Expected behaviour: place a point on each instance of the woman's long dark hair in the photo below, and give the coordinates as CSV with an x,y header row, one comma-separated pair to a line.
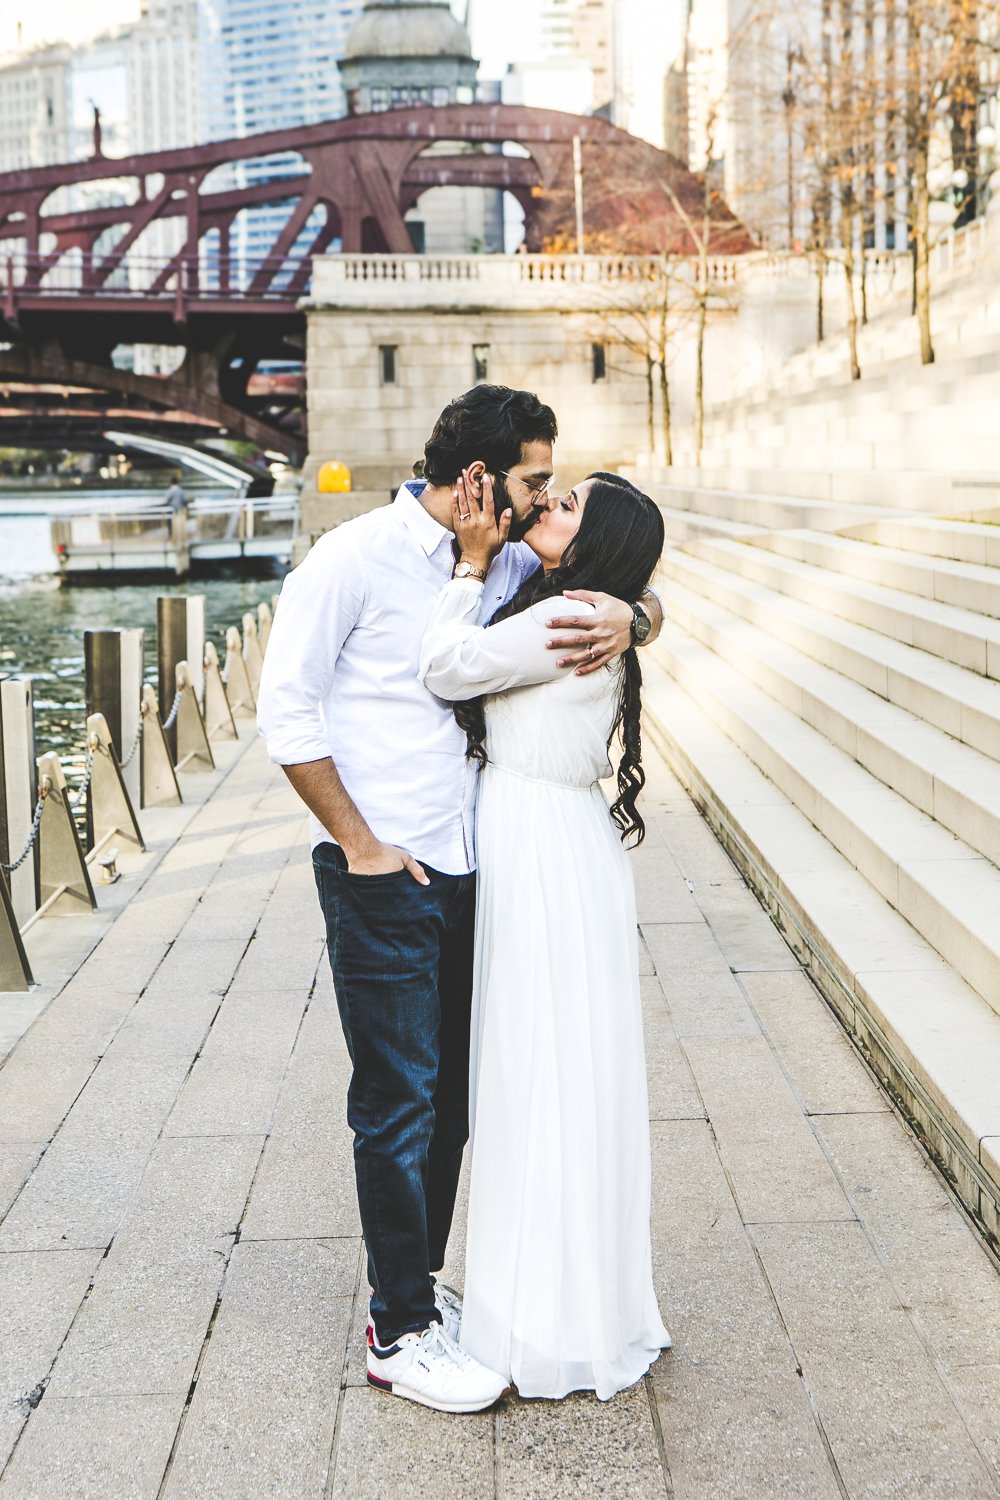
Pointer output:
x,y
614,552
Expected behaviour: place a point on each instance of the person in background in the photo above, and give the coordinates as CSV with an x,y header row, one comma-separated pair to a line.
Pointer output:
x,y
175,496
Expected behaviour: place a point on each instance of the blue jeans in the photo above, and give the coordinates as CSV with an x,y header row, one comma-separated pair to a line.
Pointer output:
x,y
401,956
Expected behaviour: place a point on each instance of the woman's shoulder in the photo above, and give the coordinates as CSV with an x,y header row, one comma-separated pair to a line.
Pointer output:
x,y
545,610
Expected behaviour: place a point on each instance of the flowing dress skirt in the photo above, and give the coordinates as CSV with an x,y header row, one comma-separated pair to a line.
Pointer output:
x,y
559,1288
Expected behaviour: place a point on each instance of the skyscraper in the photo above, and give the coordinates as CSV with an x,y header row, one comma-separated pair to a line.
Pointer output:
x,y
609,57
268,65
271,64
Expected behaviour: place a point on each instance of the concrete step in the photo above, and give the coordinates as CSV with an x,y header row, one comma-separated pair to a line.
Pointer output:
x,y
945,889
934,493
786,446
969,586
962,541
951,782
929,1036
909,385
761,512
822,372
962,704
686,525
956,635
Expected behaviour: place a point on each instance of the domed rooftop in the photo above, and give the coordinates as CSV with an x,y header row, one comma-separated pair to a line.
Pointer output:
x,y
407,28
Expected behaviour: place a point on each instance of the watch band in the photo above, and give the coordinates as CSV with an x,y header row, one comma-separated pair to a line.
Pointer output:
x,y
469,570
641,632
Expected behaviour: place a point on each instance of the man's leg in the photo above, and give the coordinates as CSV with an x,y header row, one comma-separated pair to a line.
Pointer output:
x,y
384,941
451,1096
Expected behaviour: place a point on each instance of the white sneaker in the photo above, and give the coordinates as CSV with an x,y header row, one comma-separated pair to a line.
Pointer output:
x,y
448,1303
432,1370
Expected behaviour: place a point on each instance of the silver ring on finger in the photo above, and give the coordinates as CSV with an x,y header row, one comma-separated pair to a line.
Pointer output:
x,y
591,650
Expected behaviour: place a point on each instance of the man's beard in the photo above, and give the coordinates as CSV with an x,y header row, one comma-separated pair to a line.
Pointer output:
x,y
519,525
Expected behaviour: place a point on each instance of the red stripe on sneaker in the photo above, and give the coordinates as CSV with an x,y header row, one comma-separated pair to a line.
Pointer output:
x,y
383,1385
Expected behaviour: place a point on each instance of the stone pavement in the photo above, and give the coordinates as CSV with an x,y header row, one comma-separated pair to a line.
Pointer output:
x,y
181,1290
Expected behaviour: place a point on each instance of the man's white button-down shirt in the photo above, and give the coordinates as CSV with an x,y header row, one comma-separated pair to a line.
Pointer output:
x,y
341,678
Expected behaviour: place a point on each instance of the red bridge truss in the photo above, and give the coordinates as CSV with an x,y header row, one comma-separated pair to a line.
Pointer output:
x,y
150,250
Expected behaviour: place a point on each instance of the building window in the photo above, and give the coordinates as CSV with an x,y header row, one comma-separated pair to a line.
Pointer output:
x,y
480,362
387,363
599,362
380,100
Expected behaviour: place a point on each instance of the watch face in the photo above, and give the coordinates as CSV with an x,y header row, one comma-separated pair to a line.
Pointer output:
x,y
642,625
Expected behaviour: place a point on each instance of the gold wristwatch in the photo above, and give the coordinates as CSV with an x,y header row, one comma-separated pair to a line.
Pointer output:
x,y
469,570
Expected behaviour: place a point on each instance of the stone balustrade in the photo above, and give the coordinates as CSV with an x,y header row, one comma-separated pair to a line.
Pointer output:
x,y
585,282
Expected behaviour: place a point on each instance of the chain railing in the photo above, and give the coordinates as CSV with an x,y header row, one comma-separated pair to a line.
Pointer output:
x,y
171,718
32,838
88,772
58,841
127,760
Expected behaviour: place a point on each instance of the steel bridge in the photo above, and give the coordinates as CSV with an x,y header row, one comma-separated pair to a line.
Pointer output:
x,y
106,252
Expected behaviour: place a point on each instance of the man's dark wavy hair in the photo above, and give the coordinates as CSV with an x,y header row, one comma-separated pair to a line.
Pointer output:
x,y
491,423
614,552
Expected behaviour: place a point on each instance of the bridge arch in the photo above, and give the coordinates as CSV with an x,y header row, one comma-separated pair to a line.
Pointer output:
x,y
166,271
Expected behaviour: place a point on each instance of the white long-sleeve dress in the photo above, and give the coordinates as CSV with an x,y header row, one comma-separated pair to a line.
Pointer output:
x,y
559,1288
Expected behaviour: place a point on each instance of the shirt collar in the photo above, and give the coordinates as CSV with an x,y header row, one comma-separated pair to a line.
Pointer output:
x,y
428,532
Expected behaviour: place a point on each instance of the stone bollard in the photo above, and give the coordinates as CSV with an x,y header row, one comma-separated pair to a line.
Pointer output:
x,y
219,719
63,875
19,777
180,636
110,812
113,662
194,753
252,654
159,779
242,699
263,626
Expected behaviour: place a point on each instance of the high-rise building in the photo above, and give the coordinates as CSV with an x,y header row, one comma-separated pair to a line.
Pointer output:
x,y
164,75
607,57
707,58
271,64
34,108
648,40
268,65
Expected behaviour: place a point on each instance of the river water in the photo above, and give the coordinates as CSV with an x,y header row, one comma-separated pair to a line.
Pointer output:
x,y
42,624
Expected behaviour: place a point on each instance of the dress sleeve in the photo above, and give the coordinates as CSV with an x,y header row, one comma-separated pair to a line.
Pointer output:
x,y
320,604
460,659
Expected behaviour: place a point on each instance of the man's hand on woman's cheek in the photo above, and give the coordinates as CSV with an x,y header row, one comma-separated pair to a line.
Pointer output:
x,y
596,639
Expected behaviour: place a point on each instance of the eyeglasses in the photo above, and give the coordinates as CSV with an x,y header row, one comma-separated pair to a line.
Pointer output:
x,y
540,491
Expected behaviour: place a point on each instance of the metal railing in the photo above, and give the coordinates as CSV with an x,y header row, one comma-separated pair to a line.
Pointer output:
x,y
269,278
204,520
53,835
286,279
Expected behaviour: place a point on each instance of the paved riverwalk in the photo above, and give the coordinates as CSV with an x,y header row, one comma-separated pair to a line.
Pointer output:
x,y
181,1291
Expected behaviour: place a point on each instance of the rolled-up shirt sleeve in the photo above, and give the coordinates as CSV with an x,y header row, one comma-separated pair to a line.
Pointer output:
x,y
320,604
460,659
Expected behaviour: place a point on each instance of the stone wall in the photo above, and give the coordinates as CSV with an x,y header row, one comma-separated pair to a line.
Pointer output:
x,y
538,318
378,430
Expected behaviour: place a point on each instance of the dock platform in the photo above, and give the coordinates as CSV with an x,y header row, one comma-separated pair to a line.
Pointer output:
x,y
182,1297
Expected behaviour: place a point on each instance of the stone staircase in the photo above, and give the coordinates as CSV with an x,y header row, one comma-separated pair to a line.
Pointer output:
x,y
906,436
828,688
